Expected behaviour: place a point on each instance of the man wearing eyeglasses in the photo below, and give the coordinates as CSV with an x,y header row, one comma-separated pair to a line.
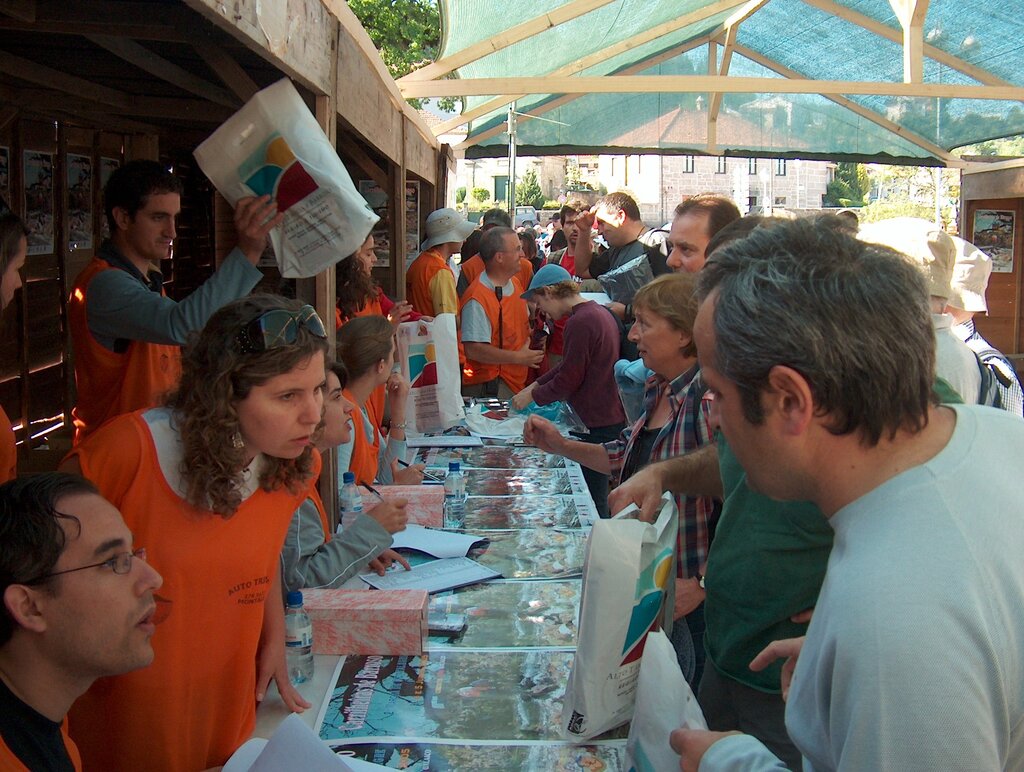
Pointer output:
x,y
126,333
78,605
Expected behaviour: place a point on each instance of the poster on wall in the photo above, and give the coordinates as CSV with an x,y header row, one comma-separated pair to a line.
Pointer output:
x,y
377,198
5,176
993,234
79,170
107,167
39,201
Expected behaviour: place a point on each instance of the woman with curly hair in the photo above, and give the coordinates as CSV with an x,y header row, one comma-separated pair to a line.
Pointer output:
x,y
360,295
367,348
13,250
208,483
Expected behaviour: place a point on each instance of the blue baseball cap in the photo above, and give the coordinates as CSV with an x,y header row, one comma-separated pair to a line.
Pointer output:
x,y
545,277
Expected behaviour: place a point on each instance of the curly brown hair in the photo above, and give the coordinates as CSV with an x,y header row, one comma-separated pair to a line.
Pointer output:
x,y
215,377
355,286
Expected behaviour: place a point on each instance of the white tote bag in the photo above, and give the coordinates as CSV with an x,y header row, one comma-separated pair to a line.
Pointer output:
x,y
274,146
429,356
628,590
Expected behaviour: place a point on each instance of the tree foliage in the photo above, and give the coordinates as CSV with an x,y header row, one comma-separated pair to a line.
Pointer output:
x,y
406,32
850,187
480,194
528,192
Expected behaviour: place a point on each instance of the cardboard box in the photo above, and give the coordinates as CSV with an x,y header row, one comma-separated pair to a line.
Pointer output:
x,y
367,621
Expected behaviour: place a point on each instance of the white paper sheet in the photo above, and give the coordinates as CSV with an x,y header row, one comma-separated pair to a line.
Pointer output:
x,y
438,575
440,544
597,297
444,441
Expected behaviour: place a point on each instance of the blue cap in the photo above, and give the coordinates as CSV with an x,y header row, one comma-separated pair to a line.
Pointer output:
x,y
454,466
348,477
294,598
547,275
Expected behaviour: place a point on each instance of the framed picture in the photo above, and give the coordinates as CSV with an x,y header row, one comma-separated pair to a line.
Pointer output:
x,y
993,234
79,169
5,175
39,201
377,198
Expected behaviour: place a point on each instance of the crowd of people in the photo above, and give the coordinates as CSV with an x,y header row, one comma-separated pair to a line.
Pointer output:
x,y
814,394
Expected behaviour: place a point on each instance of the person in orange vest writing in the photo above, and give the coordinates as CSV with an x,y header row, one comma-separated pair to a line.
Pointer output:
x,y
78,604
126,333
429,282
495,325
13,250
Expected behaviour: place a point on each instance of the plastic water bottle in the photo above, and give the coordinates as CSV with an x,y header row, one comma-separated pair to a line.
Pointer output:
x,y
351,500
298,640
454,497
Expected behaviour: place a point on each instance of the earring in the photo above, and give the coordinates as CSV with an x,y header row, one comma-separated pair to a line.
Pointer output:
x,y
236,441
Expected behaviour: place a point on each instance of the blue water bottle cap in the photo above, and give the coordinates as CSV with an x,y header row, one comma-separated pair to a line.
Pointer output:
x,y
453,466
348,477
294,598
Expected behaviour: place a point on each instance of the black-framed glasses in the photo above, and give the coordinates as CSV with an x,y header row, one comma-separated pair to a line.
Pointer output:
x,y
121,563
278,327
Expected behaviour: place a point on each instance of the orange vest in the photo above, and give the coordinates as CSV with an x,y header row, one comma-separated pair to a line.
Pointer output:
x,y
11,763
515,325
314,496
195,704
473,267
108,383
8,449
365,450
418,278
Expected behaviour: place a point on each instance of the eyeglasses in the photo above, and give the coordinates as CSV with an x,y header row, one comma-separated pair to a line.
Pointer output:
x,y
277,328
121,563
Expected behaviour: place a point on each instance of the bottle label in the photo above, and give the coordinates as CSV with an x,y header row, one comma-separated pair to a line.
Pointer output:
x,y
297,639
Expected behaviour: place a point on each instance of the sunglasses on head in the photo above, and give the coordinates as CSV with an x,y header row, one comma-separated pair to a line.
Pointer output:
x,y
277,328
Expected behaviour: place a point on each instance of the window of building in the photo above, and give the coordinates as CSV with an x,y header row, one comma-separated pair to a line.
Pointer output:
x,y
688,164
751,166
780,201
720,167
751,203
780,167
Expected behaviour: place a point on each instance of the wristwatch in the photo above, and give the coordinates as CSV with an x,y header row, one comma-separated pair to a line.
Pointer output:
x,y
700,581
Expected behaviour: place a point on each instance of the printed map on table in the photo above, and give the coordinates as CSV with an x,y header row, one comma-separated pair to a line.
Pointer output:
x,y
511,614
533,553
608,756
512,482
493,457
454,694
504,512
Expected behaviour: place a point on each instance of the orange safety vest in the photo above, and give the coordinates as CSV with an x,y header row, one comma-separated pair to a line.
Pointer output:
x,y
473,267
217,575
11,763
8,449
515,327
365,450
110,384
418,278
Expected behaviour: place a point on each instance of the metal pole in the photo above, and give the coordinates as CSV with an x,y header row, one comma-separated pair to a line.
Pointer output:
x,y
512,162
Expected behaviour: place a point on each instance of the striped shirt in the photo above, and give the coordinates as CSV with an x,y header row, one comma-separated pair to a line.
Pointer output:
x,y
688,428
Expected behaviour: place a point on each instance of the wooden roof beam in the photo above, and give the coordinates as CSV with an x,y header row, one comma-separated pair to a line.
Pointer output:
x,y
662,84
527,29
896,36
565,99
849,104
228,70
911,14
597,57
163,32
22,10
155,65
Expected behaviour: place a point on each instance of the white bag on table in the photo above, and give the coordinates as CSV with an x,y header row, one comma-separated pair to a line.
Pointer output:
x,y
628,590
429,356
274,146
664,702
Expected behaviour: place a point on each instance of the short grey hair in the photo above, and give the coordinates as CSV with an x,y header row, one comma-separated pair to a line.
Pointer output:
x,y
852,318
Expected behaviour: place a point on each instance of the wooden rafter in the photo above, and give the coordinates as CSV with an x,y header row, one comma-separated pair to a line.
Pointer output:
x,y
158,31
597,57
566,98
155,65
911,14
509,37
730,27
662,84
23,10
228,70
849,104
896,36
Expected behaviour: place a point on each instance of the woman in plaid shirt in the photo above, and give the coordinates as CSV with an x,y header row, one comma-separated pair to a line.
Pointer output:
x,y
676,420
